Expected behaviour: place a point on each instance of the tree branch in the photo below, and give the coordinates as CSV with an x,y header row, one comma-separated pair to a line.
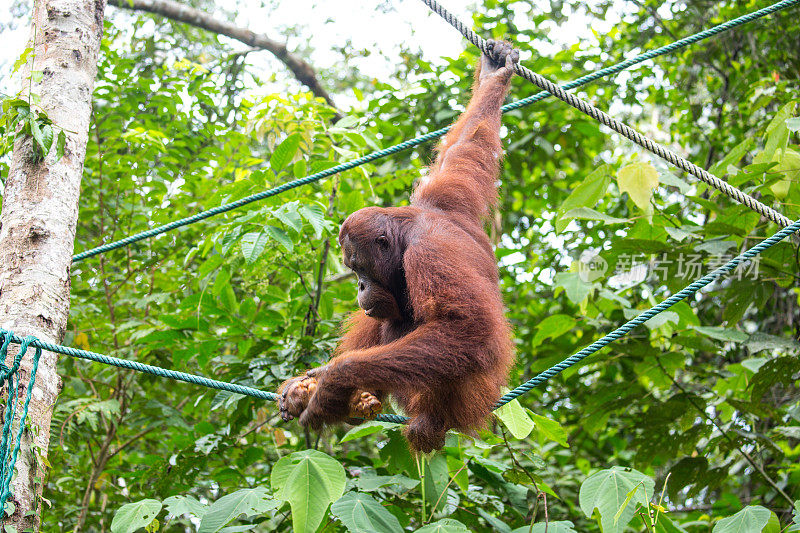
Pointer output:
x,y
182,13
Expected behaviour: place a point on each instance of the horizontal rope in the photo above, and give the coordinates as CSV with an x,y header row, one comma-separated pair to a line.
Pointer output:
x,y
620,127
520,390
621,331
146,369
619,67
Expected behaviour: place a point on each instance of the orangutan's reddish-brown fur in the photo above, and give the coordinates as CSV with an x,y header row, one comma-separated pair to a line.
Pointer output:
x,y
437,339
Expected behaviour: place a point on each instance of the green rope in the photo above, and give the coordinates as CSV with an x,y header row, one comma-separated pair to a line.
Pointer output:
x,y
778,6
522,389
9,378
623,129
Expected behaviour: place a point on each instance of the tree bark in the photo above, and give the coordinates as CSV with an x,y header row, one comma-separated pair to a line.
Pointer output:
x,y
182,13
38,218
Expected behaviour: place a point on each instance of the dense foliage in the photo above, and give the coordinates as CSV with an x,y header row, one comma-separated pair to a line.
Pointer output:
x,y
691,423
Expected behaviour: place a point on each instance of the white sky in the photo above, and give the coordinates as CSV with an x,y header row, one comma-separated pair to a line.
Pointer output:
x,y
328,25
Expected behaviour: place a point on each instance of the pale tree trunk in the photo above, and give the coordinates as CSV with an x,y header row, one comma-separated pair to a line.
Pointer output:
x,y
37,222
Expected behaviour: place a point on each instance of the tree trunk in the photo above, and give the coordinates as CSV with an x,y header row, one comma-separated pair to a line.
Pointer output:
x,y
38,218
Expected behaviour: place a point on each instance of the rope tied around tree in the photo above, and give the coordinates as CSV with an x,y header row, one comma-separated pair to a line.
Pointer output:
x,y
10,441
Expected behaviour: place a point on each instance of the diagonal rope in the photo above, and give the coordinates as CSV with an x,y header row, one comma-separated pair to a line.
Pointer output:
x,y
620,127
9,337
619,67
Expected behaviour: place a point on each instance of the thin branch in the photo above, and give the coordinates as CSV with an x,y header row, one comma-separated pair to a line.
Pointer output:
x,y
747,457
194,17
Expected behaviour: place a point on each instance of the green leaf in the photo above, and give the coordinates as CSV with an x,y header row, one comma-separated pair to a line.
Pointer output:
x,y
551,327
762,341
795,517
789,166
587,193
61,142
793,124
248,502
751,519
182,505
436,480
606,491
515,418
446,525
360,513
733,157
668,178
777,134
627,501
677,233
22,59
310,481
368,483
773,525
133,516
315,215
722,334
638,180
284,152
587,213
253,245
47,137
347,122
550,429
37,134
574,286
368,428
289,215
561,526
666,525
279,235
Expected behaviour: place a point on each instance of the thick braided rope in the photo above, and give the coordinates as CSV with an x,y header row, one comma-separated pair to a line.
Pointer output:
x,y
691,289
147,369
621,128
10,378
623,330
619,67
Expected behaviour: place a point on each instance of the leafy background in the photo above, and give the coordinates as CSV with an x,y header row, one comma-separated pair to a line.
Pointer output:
x,y
691,423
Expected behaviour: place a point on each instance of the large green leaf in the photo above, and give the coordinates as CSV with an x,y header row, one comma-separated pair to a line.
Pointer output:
x,y
134,516
284,152
638,180
253,245
722,334
550,429
586,194
248,502
360,513
182,505
552,327
573,285
310,481
515,418
368,428
607,491
751,519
